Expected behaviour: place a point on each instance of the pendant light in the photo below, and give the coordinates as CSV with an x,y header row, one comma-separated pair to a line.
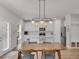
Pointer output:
x,y
42,21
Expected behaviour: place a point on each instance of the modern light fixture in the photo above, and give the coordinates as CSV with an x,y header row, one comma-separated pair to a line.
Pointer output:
x,y
33,21
42,21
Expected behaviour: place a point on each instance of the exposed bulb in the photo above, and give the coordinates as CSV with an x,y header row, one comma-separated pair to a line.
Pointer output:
x,y
36,24
45,24
50,22
41,22
33,22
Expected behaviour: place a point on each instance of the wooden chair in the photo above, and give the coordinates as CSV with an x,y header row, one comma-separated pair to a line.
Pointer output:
x,y
48,55
25,55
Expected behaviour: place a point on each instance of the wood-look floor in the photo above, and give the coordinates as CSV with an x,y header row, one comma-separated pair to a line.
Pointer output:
x,y
65,54
70,54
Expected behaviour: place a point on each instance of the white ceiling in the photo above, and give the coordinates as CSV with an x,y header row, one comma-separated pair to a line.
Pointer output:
x,y
29,8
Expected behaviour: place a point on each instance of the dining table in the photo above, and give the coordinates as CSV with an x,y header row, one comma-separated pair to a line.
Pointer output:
x,y
40,47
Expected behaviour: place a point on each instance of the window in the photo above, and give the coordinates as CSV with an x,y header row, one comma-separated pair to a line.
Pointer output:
x,y
4,35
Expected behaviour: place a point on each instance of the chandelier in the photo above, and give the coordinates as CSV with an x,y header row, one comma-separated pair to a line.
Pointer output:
x,y
42,21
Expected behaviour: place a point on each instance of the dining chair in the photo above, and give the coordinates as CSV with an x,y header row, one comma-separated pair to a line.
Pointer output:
x,y
48,55
27,56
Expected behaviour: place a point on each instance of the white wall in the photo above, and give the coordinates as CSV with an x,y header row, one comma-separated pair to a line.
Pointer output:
x,y
75,28
72,29
5,15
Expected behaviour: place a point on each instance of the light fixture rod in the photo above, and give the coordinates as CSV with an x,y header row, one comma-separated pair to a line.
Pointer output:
x,y
44,8
41,9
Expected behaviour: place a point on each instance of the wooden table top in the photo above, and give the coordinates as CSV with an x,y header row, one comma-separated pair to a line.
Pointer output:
x,y
39,47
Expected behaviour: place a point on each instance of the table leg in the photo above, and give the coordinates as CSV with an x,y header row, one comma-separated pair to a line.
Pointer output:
x,y
59,54
19,55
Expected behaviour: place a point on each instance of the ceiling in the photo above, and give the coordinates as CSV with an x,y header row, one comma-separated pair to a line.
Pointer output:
x,y
28,9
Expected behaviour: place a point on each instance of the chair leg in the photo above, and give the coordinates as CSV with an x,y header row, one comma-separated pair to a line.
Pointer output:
x,y
43,52
37,55
59,54
19,55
